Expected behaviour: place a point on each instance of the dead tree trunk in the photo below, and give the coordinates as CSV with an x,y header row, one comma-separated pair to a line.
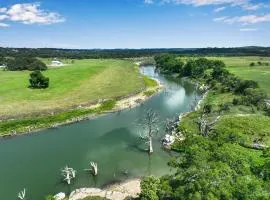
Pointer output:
x,y
68,174
204,125
21,194
150,127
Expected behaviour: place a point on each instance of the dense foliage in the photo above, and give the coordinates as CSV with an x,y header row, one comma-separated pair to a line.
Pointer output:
x,y
38,81
24,63
214,73
129,53
223,164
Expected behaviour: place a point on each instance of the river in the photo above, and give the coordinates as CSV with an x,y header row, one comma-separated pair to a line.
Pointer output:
x,y
34,161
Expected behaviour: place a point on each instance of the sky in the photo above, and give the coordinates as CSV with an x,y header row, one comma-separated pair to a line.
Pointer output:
x,y
108,24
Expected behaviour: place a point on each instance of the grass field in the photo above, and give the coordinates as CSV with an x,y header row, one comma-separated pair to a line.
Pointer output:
x,y
81,82
240,67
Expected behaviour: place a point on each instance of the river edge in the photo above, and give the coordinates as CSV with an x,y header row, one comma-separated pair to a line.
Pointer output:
x,y
127,102
117,191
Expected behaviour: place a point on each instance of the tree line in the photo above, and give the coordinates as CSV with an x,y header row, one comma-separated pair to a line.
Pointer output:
x,y
130,53
22,63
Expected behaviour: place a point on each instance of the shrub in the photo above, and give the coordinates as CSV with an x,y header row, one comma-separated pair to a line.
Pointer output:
x,y
224,107
252,64
236,101
254,96
37,80
245,85
149,188
49,197
207,109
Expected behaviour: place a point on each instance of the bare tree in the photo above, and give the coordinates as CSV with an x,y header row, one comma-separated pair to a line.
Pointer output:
x,y
204,125
68,174
21,194
93,168
150,126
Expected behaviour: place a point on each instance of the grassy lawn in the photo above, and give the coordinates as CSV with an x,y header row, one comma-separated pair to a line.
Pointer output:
x,y
240,67
81,82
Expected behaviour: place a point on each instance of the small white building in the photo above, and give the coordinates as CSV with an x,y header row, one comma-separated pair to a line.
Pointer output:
x,y
56,63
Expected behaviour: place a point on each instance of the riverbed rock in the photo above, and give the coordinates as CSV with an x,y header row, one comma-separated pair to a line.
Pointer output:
x,y
60,196
168,140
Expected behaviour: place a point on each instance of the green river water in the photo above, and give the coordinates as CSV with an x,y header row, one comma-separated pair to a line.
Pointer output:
x,y
34,161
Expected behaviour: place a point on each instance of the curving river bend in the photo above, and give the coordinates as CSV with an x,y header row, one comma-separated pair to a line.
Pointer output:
x,y
34,161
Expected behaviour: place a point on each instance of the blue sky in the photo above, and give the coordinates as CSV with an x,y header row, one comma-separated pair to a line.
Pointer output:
x,y
134,23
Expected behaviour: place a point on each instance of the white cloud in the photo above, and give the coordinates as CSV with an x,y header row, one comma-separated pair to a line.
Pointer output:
x,y
218,19
2,17
4,25
245,4
148,1
248,29
30,13
219,9
206,2
246,19
253,6
3,10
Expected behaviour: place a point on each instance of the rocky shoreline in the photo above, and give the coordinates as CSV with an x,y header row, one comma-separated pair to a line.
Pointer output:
x,y
120,191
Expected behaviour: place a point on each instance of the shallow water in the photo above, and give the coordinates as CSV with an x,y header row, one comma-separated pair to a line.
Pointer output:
x,y
34,161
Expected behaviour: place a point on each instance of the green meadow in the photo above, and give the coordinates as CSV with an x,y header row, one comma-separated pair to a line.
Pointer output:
x,y
78,82
240,66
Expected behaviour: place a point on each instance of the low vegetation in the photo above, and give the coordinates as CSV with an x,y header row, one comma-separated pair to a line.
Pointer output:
x,y
232,160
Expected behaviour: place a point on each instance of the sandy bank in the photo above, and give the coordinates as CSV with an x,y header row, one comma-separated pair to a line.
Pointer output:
x,y
120,191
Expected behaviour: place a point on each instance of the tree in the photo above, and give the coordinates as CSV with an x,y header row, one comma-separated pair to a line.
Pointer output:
x,y
37,65
149,188
252,64
204,125
207,108
243,85
22,194
37,80
150,125
25,63
68,174
219,72
93,168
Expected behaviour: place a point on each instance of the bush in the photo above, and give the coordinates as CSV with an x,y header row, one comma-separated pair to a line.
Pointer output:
x,y
37,80
149,188
207,109
252,64
224,107
254,96
236,101
49,197
245,85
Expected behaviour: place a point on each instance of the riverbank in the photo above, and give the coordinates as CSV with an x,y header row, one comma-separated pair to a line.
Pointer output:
x,y
11,128
118,191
